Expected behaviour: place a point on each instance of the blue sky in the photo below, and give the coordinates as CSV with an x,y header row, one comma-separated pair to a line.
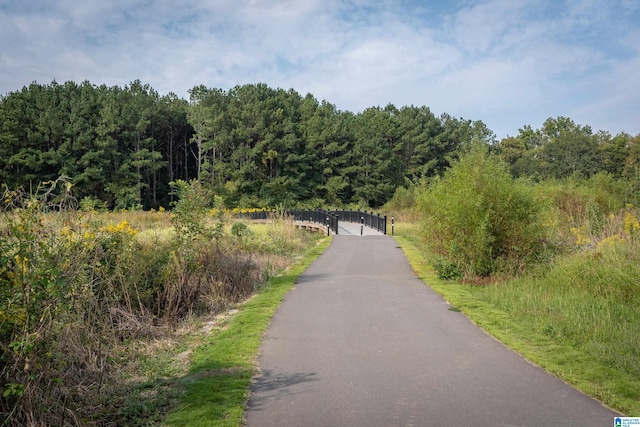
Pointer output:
x,y
508,63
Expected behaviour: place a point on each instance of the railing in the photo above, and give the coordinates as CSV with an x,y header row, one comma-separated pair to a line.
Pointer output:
x,y
318,216
329,218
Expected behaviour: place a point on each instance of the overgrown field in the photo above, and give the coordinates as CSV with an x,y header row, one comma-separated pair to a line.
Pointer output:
x,y
550,268
95,306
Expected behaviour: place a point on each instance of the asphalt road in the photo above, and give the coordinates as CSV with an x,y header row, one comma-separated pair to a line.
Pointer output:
x,y
361,341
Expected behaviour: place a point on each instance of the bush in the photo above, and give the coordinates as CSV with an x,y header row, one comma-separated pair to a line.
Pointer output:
x,y
445,269
240,230
479,219
404,199
189,214
89,204
403,203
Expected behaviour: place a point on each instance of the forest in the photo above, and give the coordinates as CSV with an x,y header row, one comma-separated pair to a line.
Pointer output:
x,y
256,146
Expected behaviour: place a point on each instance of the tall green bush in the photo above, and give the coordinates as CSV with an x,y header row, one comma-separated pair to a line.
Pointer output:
x,y
190,212
479,220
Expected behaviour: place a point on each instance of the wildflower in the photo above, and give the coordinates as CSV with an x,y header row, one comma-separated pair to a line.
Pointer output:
x,y
611,241
631,224
580,235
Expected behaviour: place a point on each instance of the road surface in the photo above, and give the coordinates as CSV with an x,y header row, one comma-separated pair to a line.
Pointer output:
x,y
361,341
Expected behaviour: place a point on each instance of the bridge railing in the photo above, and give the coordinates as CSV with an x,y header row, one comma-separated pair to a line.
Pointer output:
x,y
330,218
319,216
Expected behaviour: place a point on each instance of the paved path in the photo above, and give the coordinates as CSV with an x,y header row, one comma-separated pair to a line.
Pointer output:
x,y
361,341
353,229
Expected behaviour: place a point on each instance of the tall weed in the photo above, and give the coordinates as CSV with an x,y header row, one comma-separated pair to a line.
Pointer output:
x,y
585,202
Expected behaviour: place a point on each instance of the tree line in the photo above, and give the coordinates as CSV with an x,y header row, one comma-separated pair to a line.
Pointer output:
x,y
121,147
561,148
255,145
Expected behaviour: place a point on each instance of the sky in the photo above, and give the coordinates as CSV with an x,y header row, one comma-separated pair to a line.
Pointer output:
x,y
509,63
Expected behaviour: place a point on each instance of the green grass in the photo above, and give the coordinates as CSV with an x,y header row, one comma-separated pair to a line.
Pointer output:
x,y
561,320
217,385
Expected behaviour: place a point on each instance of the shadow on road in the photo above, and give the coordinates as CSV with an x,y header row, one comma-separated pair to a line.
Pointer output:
x,y
269,386
313,277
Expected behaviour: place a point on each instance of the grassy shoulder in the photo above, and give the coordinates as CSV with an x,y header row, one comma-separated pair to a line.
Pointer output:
x,y
217,384
510,312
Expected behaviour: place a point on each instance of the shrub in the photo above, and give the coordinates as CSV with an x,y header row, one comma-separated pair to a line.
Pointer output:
x,y
403,203
445,269
240,230
403,199
190,213
89,204
481,220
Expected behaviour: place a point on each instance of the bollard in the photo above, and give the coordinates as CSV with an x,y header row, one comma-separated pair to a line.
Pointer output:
x,y
361,225
328,229
392,226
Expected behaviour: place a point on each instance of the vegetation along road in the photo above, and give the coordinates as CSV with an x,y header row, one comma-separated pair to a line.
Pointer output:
x,y
362,341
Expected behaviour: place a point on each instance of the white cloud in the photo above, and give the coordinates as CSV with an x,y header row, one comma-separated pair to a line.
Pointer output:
x,y
508,63
479,28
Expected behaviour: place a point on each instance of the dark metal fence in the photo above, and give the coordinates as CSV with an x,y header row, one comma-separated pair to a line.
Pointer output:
x,y
329,218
